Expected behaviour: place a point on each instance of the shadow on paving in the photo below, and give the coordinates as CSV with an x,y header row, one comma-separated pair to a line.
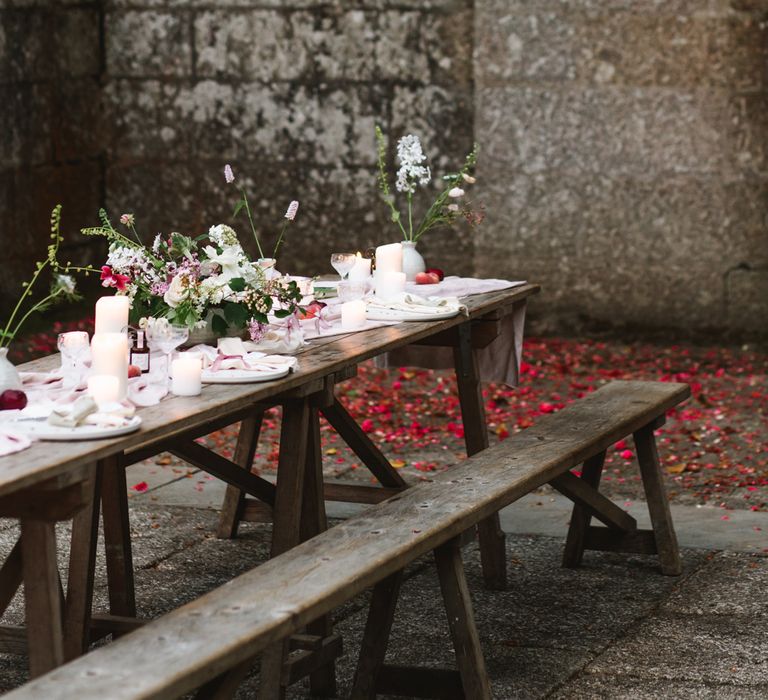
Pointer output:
x,y
615,628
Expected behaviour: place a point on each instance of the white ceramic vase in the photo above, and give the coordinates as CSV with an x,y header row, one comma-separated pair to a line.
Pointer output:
x,y
9,377
413,263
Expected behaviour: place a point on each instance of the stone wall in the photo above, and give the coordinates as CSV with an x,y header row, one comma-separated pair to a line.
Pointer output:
x,y
49,95
625,158
288,93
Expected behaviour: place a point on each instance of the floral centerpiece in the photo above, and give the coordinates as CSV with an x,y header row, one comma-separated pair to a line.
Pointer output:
x,y
448,207
203,282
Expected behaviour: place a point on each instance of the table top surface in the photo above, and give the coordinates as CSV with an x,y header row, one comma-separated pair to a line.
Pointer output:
x,y
321,358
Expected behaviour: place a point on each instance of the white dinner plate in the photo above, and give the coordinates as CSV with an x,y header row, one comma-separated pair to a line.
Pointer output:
x,y
42,430
244,376
379,314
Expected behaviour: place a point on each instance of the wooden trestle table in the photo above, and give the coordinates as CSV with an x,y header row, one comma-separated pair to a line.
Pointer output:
x,y
52,482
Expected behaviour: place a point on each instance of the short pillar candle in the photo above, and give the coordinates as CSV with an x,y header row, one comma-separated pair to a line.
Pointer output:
x,y
186,373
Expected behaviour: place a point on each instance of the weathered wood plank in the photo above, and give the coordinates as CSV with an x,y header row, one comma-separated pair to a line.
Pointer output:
x,y
234,498
573,551
356,493
658,505
361,445
45,640
461,620
603,539
373,649
229,625
600,507
11,576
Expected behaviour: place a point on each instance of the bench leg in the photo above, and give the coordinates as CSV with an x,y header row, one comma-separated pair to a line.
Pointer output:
x,y
377,628
658,505
493,555
461,621
580,517
234,499
117,538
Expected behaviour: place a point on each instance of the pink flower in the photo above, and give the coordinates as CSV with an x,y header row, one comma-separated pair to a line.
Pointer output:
x,y
229,176
127,219
293,207
112,279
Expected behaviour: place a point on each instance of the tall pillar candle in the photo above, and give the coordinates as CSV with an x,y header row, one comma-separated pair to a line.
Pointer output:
x,y
109,356
389,258
112,314
361,270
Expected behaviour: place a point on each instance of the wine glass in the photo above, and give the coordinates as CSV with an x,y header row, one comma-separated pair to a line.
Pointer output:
x,y
166,337
74,348
343,263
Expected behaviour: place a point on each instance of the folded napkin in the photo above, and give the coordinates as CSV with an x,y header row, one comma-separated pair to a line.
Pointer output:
x,y
12,441
412,303
461,286
234,353
85,411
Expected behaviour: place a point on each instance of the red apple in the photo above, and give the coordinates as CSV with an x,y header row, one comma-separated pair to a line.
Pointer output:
x,y
437,271
12,399
426,278
133,371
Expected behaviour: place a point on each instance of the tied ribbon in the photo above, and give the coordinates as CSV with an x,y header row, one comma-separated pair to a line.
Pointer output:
x,y
220,358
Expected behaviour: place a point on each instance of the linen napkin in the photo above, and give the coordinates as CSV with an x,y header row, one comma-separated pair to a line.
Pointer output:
x,y
413,303
12,441
85,411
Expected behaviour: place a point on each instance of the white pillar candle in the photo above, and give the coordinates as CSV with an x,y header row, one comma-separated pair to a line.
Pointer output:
x,y
112,314
186,372
389,258
353,314
109,355
361,270
104,388
389,285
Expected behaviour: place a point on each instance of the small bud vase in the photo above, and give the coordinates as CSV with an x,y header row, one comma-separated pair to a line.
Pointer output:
x,y
413,263
9,376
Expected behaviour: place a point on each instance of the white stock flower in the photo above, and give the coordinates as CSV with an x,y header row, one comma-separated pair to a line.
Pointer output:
x,y
456,192
293,207
411,172
229,176
177,291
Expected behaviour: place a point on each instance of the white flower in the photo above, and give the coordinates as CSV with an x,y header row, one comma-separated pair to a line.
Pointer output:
x,y
293,207
410,155
456,192
453,207
223,235
469,179
177,291
212,290
156,244
229,176
230,259
65,283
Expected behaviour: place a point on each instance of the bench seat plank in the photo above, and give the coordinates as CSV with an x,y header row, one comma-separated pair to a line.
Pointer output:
x,y
187,647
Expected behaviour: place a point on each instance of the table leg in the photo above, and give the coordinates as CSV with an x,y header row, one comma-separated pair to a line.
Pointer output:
x,y
314,521
286,531
117,538
581,517
82,564
492,541
234,500
41,592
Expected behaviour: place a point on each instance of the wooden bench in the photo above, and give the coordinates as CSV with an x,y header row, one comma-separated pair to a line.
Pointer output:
x,y
211,643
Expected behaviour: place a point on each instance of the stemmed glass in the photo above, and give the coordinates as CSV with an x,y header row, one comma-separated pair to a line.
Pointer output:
x,y
166,337
343,263
74,349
